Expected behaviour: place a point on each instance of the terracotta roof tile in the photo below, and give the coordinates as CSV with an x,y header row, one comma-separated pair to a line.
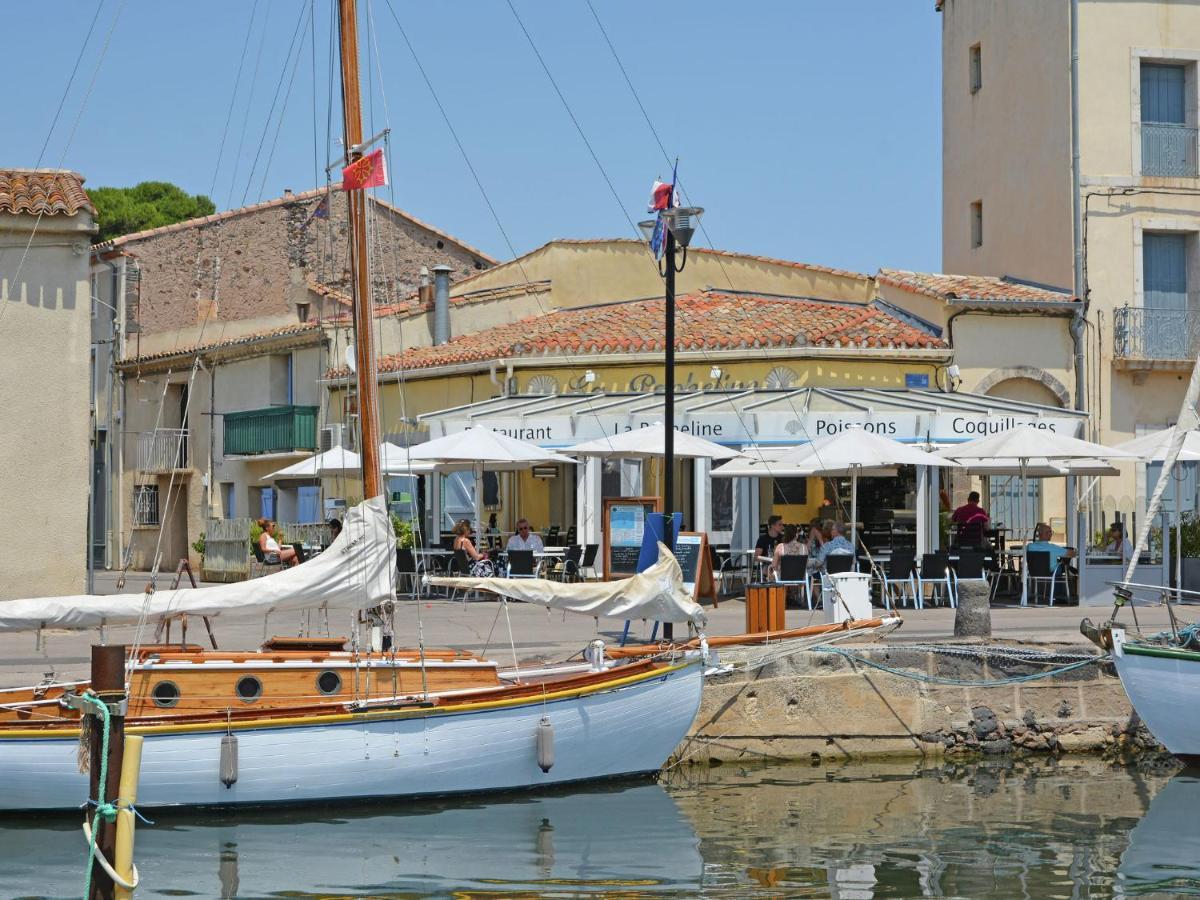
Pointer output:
x,y
706,320
971,287
48,192
217,343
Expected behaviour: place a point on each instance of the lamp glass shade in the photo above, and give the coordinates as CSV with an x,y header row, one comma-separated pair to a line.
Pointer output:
x,y
682,221
647,227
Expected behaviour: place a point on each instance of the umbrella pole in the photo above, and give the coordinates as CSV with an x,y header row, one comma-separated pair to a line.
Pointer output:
x,y
1023,487
854,515
479,500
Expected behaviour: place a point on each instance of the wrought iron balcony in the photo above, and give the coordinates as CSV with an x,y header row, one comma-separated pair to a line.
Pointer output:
x,y
278,429
162,450
1169,150
1164,335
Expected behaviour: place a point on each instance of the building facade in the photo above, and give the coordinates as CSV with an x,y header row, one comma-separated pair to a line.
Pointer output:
x,y
1008,189
46,226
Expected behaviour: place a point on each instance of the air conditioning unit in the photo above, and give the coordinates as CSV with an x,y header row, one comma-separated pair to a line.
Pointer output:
x,y
545,471
335,507
332,436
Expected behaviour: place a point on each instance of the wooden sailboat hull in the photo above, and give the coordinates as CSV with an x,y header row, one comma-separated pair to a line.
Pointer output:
x,y
621,726
1163,684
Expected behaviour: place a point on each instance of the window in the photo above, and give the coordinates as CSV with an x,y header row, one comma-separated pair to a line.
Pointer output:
x,y
976,68
145,504
1167,314
722,504
788,491
977,223
1168,138
227,499
308,504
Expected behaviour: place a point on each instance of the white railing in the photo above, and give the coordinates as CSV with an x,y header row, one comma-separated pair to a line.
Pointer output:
x,y
162,450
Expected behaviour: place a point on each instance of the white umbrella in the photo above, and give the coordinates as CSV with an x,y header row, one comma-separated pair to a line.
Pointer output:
x,y
1025,442
479,447
781,462
338,461
855,450
1153,447
396,460
1040,467
651,441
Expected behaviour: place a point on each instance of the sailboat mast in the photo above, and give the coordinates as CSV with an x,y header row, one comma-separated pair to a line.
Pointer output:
x,y
364,344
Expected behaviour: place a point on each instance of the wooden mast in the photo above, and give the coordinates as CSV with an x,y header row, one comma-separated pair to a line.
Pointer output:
x,y
364,344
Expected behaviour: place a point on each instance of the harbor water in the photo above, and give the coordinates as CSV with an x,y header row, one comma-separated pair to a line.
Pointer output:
x,y
1004,829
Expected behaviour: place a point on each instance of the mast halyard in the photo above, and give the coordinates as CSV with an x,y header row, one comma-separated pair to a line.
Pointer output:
x,y
364,343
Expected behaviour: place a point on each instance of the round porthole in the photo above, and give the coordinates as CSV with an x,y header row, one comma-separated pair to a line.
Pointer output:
x,y
329,682
249,688
165,694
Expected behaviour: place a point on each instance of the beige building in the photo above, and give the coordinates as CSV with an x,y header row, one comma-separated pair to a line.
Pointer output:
x,y
1008,189
46,226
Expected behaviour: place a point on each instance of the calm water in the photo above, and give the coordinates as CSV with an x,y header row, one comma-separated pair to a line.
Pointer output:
x,y
871,830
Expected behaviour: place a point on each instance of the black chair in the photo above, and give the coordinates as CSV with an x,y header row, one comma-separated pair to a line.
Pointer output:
x,y
971,566
837,563
1041,572
552,536
588,563
934,573
570,539
520,564
301,556
407,569
260,561
898,573
568,569
793,571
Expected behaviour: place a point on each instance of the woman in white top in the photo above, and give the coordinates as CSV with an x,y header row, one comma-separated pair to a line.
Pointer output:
x,y
791,545
1116,542
272,551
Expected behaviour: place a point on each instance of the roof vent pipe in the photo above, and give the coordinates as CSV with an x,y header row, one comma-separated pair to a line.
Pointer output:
x,y
425,289
441,304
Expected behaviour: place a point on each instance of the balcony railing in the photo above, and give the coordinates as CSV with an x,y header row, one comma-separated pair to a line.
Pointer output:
x,y
162,450
1156,334
1169,150
274,430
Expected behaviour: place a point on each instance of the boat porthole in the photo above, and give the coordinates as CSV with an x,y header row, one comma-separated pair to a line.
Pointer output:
x,y
249,689
165,694
329,682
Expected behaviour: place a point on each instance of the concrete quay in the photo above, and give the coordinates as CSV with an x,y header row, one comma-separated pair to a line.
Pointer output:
x,y
806,705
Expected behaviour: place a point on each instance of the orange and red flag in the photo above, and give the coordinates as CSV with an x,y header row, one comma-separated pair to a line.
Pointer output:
x,y
368,172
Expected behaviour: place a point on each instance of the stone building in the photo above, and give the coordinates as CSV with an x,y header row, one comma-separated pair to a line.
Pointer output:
x,y
46,225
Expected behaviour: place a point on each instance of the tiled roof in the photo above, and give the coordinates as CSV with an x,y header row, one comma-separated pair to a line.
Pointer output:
x,y
48,192
329,293
707,320
302,197
219,343
971,287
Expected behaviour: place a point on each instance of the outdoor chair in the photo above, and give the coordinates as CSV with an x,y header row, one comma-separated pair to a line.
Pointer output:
x,y
521,564
570,539
1040,572
793,571
407,570
900,572
588,563
837,563
971,567
259,565
568,568
934,573
552,536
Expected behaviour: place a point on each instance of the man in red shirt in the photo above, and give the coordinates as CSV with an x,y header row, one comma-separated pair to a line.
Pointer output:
x,y
971,520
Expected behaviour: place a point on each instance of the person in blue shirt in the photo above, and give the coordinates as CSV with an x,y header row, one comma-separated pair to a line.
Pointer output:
x,y
1041,543
835,544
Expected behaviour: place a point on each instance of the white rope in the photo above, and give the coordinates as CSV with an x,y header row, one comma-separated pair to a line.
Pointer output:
x,y
112,873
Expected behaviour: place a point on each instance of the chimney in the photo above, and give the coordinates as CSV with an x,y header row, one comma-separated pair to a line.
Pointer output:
x,y
287,192
441,304
425,289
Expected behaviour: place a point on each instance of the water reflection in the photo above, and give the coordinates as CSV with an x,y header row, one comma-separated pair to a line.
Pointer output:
x,y
1003,830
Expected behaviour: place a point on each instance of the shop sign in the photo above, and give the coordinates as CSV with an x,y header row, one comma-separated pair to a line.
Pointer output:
x,y
958,426
783,427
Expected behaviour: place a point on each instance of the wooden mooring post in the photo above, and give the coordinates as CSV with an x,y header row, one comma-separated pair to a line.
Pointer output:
x,y
108,682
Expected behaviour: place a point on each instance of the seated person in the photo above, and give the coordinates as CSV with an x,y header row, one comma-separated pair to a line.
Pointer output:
x,y
1059,556
791,545
525,538
835,544
273,553
764,548
816,536
335,529
1116,543
971,520
463,542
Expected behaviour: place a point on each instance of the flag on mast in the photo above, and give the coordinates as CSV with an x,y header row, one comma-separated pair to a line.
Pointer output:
x,y
320,211
367,172
662,198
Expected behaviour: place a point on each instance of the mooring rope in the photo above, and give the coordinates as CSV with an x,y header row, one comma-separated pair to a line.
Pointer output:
x,y
959,682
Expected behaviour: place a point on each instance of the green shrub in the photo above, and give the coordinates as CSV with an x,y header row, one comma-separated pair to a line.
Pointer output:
x,y
404,532
198,544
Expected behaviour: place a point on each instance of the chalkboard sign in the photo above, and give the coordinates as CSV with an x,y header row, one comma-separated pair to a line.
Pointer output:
x,y
691,551
623,524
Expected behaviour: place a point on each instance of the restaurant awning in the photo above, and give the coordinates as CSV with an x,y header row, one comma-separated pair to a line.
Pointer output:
x,y
760,416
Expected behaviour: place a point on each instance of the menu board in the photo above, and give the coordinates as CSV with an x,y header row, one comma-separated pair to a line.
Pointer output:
x,y
691,551
624,526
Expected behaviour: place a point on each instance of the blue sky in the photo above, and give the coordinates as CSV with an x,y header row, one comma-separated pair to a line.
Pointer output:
x,y
810,130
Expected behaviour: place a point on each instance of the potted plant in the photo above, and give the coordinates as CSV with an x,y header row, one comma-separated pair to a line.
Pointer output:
x,y
403,529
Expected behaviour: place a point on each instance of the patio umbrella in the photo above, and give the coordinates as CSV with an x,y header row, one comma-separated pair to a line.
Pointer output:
x,y
854,450
1153,447
641,443
478,448
338,461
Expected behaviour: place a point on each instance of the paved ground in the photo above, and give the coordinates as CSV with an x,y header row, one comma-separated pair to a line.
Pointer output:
x,y
537,633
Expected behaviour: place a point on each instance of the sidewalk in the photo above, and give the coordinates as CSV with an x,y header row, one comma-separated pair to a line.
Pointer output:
x,y
537,633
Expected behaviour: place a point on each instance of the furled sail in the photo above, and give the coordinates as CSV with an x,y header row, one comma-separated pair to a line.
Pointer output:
x,y
356,572
657,593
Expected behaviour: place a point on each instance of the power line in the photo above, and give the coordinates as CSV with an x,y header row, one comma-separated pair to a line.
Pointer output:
x,y
237,83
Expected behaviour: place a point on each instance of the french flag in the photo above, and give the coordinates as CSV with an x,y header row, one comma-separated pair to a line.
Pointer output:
x,y
660,196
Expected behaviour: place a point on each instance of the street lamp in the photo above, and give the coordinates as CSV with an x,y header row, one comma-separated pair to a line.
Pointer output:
x,y
680,225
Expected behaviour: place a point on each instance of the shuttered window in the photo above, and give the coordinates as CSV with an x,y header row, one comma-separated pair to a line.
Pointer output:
x,y
1169,145
1163,92
1164,271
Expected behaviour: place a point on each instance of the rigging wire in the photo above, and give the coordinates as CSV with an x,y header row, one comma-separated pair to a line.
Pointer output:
x,y
283,109
258,56
237,83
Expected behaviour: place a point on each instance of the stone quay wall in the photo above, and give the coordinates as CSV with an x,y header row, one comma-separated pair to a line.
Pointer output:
x,y
824,706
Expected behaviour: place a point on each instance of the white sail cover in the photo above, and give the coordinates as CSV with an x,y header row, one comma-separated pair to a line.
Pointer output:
x,y
657,593
356,572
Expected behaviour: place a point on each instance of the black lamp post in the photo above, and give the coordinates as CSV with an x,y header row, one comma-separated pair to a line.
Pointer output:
x,y
680,222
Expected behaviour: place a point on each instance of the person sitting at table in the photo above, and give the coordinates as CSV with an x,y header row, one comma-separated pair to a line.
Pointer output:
x,y
525,538
463,542
335,529
764,548
791,545
274,554
835,544
816,536
971,520
1117,544
1059,555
